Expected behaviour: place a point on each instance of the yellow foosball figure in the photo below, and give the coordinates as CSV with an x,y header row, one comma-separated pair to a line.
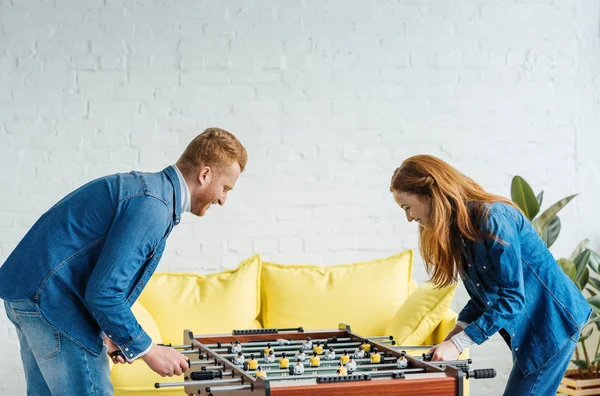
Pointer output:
x,y
375,356
268,349
366,346
260,373
284,362
252,363
344,358
341,370
318,348
314,360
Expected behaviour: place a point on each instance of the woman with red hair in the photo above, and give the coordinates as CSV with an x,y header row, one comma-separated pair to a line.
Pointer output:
x,y
515,285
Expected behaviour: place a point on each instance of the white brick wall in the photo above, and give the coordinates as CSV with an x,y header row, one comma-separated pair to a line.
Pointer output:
x,y
328,97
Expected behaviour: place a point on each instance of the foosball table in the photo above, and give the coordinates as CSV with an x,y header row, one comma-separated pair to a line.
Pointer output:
x,y
295,362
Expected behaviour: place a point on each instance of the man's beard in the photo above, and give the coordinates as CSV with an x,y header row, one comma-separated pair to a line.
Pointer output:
x,y
202,203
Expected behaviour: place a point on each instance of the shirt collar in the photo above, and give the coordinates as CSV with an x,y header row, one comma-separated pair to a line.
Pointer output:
x,y
185,191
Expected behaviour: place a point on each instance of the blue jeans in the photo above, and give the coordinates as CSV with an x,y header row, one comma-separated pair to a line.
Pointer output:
x,y
55,365
546,379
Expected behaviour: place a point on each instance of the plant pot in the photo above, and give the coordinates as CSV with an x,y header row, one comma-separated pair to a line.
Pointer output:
x,y
571,386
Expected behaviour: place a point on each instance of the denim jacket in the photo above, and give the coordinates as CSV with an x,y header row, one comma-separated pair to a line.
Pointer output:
x,y
88,258
517,288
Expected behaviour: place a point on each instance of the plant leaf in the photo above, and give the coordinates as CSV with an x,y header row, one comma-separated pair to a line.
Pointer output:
x,y
582,260
594,283
581,364
591,291
594,302
587,335
522,194
594,261
545,218
551,232
579,248
569,268
540,198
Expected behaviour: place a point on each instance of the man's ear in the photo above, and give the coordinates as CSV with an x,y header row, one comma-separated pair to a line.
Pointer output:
x,y
204,175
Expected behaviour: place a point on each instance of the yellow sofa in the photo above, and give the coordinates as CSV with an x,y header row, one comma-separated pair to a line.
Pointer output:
x,y
378,297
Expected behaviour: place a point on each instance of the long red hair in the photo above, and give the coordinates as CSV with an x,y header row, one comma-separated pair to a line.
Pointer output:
x,y
457,207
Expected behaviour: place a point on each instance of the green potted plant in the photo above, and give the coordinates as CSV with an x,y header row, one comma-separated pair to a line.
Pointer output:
x,y
577,267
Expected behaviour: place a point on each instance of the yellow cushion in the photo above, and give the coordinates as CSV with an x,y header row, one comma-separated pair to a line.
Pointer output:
x,y
217,303
363,295
420,314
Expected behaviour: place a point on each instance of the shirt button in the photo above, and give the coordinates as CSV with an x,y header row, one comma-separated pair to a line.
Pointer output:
x,y
488,303
109,336
478,285
484,267
131,355
126,349
469,265
516,349
513,334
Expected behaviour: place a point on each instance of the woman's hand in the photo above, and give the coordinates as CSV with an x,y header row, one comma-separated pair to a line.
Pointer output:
x,y
444,351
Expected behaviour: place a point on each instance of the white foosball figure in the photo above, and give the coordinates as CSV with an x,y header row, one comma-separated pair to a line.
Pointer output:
x,y
300,355
237,347
351,365
270,358
402,362
359,353
239,359
330,354
283,341
298,368
307,345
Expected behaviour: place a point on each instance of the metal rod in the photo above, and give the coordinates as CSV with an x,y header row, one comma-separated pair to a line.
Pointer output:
x,y
194,383
215,389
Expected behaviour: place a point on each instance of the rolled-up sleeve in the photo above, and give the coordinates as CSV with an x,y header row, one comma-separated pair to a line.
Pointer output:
x,y
139,225
506,269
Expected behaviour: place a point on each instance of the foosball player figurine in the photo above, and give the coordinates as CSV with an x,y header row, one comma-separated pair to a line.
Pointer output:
x,y
314,360
298,367
300,355
307,345
342,369
268,349
375,356
344,358
359,353
252,363
318,348
270,357
260,373
351,365
284,362
237,347
239,359
402,362
366,346
330,354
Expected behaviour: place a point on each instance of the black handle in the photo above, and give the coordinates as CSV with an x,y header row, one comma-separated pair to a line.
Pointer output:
x,y
482,373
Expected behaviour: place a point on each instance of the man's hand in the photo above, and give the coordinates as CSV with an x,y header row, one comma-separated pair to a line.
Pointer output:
x,y
165,361
444,351
457,329
112,347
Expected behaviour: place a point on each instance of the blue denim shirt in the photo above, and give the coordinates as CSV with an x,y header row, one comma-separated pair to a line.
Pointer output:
x,y
88,258
517,287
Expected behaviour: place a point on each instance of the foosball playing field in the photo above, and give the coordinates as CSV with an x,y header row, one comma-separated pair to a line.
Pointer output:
x,y
297,362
